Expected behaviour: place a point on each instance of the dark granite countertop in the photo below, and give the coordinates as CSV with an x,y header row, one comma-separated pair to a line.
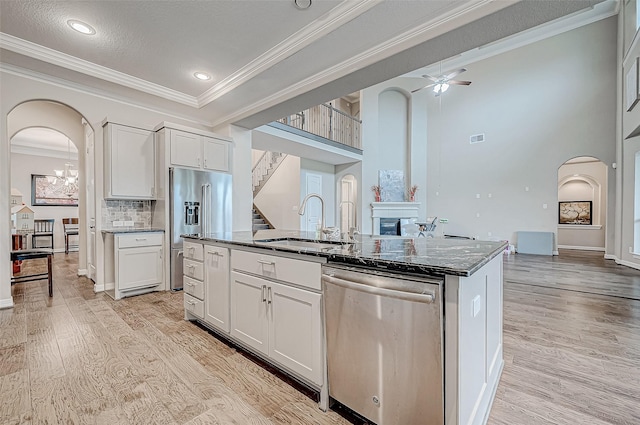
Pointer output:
x,y
115,230
426,256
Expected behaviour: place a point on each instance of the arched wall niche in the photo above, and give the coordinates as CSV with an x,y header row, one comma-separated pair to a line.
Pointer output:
x,y
584,178
394,125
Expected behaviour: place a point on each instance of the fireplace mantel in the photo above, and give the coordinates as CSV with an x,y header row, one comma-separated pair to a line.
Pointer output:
x,y
392,210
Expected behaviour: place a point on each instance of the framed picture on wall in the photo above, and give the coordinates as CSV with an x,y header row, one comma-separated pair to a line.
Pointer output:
x,y
53,191
574,212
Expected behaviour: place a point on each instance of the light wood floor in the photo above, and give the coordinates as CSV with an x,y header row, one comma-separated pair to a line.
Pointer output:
x,y
571,345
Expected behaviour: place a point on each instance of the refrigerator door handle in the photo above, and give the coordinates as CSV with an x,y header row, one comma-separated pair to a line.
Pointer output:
x,y
203,209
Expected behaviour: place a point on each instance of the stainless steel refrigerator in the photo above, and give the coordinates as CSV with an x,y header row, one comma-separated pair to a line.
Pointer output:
x,y
200,202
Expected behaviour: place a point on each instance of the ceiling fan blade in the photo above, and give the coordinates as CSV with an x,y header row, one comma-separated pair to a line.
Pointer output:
x,y
434,79
425,87
454,73
459,83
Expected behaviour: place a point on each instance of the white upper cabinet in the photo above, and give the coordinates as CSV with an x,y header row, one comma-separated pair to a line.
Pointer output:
x,y
185,149
216,154
199,151
129,154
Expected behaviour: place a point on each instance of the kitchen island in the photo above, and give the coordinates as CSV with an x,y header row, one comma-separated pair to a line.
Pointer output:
x,y
264,292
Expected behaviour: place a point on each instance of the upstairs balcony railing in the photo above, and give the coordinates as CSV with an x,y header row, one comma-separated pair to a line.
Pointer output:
x,y
326,121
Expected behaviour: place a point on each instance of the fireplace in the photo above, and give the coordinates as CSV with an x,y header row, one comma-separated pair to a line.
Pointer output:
x,y
388,217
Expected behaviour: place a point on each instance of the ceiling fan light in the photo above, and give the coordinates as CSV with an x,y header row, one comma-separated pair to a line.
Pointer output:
x,y
71,180
59,173
437,87
444,87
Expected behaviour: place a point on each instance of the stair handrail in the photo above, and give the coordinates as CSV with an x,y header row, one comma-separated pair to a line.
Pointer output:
x,y
329,122
269,161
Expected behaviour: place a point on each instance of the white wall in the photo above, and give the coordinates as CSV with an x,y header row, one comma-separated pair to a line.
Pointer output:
x,y
22,166
327,173
538,106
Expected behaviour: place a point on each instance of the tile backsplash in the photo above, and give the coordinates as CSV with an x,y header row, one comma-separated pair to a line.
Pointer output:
x,y
119,210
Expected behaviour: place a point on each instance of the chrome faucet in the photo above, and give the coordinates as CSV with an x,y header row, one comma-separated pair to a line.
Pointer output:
x,y
353,230
304,204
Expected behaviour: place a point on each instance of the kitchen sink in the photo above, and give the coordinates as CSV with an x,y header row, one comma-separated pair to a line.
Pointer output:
x,y
302,244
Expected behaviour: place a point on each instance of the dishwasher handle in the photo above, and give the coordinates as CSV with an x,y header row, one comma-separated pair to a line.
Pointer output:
x,y
401,295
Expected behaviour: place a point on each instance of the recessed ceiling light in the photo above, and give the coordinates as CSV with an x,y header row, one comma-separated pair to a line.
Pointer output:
x,y
202,76
81,27
302,4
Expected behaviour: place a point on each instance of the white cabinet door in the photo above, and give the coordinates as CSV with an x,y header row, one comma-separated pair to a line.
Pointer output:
x,y
139,267
186,149
216,154
295,334
249,311
216,278
129,163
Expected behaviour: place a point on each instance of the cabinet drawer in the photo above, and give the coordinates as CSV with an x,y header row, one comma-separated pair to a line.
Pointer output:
x,y
193,251
194,306
139,239
299,272
194,287
193,269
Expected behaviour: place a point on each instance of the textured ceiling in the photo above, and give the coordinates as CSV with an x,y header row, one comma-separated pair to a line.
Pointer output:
x,y
266,57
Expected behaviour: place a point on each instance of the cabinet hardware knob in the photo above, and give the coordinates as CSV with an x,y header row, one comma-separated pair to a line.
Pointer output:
x,y
264,297
267,263
269,295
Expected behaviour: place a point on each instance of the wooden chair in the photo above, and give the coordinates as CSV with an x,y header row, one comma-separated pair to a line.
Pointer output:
x,y
42,229
70,229
33,254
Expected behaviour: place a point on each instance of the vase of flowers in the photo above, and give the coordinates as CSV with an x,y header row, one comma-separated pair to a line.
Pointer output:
x,y
411,193
376,192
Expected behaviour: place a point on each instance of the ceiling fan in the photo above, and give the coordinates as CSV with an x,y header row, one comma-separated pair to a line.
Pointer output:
x,y
441,83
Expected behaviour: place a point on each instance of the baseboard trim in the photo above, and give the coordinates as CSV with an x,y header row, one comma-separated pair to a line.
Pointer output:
x,y
98,288
82,272
6,303
610,257
628,264
555,253
582,248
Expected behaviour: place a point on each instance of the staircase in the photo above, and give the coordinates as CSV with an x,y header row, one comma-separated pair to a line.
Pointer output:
x,y
261,173
259,222
264,169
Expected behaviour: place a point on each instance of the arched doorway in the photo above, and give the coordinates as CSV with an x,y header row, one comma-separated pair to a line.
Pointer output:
x,y
67,121
347,203
582,204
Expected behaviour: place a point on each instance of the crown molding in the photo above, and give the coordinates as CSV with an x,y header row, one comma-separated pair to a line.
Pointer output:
x,y
335,18
550,29
455,18
27,149
91,91
73,63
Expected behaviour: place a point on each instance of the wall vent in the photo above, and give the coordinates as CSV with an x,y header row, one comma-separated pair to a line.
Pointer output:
x,y
476,138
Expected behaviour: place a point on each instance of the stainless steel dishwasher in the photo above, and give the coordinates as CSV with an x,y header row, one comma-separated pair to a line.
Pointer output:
x,y
384,344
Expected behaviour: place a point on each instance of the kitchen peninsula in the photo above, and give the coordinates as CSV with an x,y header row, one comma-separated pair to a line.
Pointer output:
x,y
267,293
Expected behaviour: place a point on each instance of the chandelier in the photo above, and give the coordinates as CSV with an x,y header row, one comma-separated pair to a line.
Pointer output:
x,y
68,176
